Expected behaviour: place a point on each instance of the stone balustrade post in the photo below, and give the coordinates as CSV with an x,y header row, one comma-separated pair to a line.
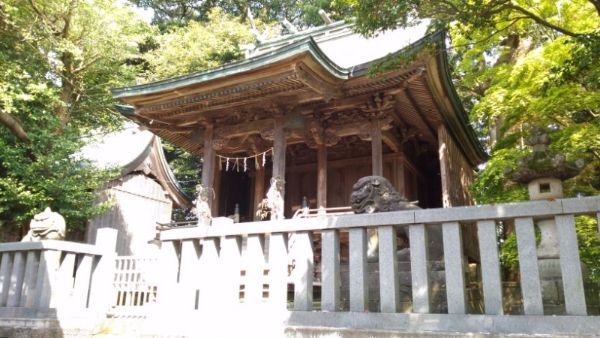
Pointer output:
x,y
101,289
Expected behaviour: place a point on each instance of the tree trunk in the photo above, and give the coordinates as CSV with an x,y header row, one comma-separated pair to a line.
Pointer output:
x,y
66,94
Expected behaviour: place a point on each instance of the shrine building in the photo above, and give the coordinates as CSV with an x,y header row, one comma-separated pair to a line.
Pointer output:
x,y
320,108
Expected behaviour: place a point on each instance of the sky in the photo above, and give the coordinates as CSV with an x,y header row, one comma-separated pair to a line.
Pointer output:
x,y
145,14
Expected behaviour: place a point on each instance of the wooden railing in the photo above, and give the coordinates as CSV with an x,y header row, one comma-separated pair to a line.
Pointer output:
x,y
41,279
204,263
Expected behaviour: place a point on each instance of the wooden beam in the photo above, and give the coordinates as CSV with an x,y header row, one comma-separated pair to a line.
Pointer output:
x,y
359,127
414,75
399,175
244,129
340,104
215,90
155,124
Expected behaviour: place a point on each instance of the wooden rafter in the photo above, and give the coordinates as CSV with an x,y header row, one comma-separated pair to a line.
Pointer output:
x,y
414,103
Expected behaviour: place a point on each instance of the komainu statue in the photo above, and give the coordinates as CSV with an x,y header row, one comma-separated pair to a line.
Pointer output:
x,y
376,194
46,225
273,204
202,206
372,194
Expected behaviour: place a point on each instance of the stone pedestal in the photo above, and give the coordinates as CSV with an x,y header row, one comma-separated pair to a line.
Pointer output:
x,y
551,282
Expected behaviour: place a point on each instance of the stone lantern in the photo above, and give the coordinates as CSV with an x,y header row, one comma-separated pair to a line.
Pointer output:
x,y
543,171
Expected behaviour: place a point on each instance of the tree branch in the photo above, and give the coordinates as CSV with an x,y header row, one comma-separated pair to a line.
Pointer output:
x,y
512,23
85,65
542,22
14,125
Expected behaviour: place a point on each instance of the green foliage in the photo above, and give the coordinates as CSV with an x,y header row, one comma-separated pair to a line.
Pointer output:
x,y
77,50
198,46
589,245
521,96
193,47
59,60
185,166
302,13
43,173
508,252
518,64
491,185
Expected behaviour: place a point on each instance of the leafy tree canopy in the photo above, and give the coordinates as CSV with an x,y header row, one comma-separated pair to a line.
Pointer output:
x,y
519,64
197,46
59,60
193,47
302,12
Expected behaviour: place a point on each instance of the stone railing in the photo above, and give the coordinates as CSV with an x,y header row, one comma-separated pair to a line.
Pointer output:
x,y
219,268
52,279
134,285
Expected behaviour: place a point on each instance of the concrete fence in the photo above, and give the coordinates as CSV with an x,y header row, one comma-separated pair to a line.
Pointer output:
x,y
50,279
272,265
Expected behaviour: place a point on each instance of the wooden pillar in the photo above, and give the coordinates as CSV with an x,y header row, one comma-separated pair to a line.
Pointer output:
x,y
217,187
322,176
444,166
279,144
259,189
279,148
399,176
376,148
208,161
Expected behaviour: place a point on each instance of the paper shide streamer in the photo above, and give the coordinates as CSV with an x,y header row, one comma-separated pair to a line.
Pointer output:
x,y
235,161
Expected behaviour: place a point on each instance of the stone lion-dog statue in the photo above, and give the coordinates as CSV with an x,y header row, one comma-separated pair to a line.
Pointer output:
x,y
46,225
372,194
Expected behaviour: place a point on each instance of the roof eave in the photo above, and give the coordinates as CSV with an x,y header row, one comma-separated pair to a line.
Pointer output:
x,y
478,154
305,45
168,180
